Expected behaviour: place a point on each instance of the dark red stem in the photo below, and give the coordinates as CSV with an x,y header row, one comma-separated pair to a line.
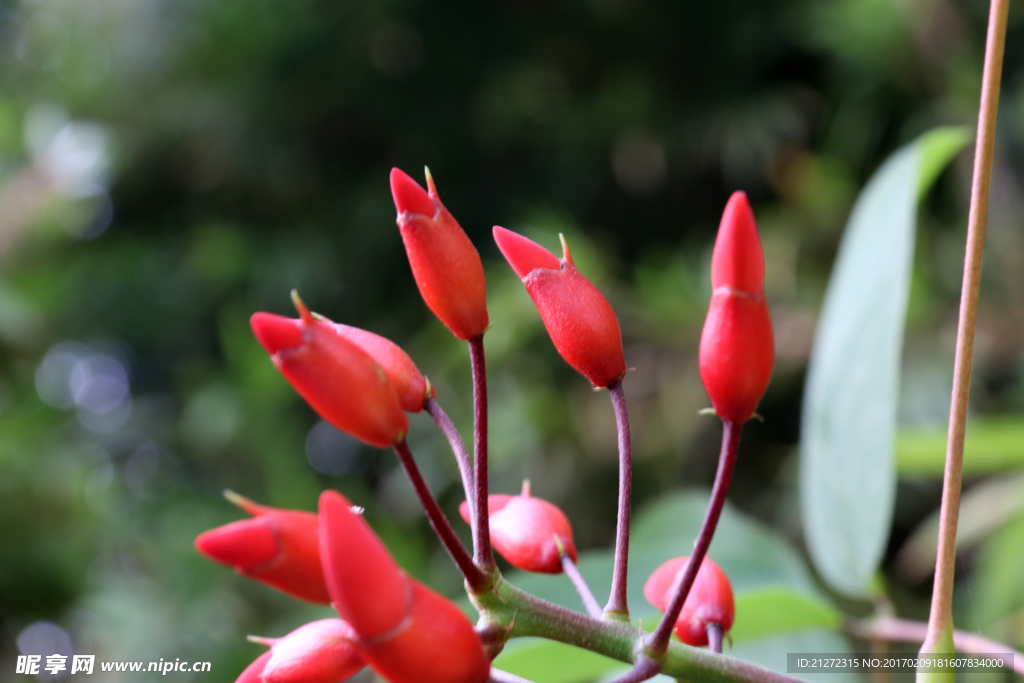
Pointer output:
x,y
714,637
657,642
477,579
481,532
589,601
435,411
618,605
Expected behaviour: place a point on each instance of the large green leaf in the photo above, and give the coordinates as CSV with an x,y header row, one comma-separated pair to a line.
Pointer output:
x,y
848,472
779,609
991,445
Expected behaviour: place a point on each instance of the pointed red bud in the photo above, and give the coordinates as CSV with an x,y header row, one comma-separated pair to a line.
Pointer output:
x,y
445,264
322,651
710,599
407,633
277,547
737,348
437,645
578,318
410,385
528,531
366,586
254,672
337,378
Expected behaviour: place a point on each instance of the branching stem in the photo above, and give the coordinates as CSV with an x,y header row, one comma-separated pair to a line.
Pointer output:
x,y
940,619
477,579
482,553
618,605
658,640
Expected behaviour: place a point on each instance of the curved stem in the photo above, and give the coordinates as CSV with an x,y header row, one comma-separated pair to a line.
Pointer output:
x,y
477,579
906,631
644,668
658,640
481,532
714,637
618,605
589,601
435,411
940,619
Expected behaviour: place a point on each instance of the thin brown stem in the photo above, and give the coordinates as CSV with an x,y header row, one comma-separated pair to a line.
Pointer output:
x,y
658,641
589,601
940,619
435,411
906,631
476,578
618,604
714,632
482,553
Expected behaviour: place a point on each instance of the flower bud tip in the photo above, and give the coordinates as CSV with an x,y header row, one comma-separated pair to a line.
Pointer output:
x,y
252,507
275,332
243,544
565,249
409,196
262,640
523,254
300,306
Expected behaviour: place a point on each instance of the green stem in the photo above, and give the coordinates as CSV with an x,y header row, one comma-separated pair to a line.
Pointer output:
x,y
520,614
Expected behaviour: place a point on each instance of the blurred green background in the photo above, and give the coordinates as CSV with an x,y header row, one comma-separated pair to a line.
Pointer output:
x,y
169,167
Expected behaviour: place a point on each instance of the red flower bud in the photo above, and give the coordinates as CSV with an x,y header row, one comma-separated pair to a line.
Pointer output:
x,y
254,672
710,599
337,378
737,350
527,531
321,651
445,264
280,548
407,633
578,318
410,385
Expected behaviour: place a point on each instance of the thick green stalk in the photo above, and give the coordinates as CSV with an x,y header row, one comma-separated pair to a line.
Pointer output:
x,y
520,614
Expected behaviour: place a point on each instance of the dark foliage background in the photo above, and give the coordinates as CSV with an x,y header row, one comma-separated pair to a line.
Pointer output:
x,y
171,166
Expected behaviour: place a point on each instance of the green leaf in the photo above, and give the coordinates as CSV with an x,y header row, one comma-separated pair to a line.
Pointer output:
x,y
991,445
780,609
548,661
848,472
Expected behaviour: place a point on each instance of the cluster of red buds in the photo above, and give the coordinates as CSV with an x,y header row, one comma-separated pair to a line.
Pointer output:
x,y
364,385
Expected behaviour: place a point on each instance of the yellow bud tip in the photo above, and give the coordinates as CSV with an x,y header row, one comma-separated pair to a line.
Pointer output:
x,y
707,411
431,188
269,642
431,393
525,493
253,508
559,545
565,249
300,306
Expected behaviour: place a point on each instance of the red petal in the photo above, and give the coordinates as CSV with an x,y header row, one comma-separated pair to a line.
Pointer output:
x,y
409,196
321,651
405,377
276,332
254,672
657,587
738,260
524,255
243,544
367,587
